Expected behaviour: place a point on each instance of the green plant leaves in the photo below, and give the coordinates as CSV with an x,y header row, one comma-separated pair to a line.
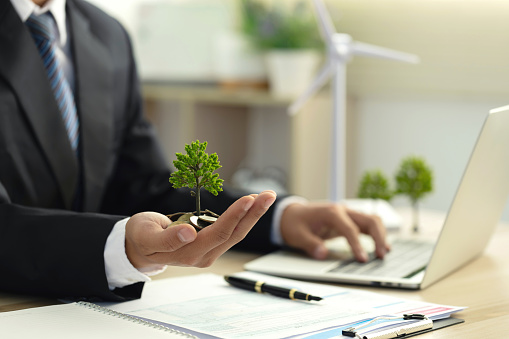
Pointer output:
x,y
280,26
414,178
375,185
195,169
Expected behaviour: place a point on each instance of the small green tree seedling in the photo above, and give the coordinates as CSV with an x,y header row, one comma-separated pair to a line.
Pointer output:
x,y
415,180
374,185
196,170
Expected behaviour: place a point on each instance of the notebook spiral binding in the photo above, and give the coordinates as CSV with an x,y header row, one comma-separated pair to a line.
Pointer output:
x,y
133,319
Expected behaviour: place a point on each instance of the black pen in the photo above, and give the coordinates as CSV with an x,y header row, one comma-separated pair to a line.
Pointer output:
x,y
262,287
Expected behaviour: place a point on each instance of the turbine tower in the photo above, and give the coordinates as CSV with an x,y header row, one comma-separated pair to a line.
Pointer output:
x,y
341,49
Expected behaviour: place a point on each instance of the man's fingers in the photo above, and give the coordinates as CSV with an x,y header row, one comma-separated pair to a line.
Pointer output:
x,y
230,228
156,239
174,237
355,245
221,231
260,205
147,233
350,231
372,225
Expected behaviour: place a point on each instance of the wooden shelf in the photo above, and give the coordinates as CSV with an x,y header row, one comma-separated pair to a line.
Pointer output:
x,y
213,94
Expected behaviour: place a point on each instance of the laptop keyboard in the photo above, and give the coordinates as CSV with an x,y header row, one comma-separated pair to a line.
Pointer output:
x,y
406,258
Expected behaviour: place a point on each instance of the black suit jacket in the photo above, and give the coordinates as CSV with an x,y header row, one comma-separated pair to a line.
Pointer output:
x,y
49,244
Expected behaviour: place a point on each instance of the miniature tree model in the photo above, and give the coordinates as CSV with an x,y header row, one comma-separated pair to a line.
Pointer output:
x,y
195,170
374,185
414,179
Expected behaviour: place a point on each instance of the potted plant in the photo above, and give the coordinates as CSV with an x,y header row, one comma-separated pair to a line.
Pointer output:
x,y
288,34
414,179
195,170
374,185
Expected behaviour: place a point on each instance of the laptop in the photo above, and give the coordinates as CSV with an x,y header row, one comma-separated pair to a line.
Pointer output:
x,y
473,215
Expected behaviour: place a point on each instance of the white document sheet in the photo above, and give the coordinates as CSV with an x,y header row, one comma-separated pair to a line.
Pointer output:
x,y
206,304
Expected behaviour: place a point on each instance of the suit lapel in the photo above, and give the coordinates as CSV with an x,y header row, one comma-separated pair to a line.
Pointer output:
x,y
22,67
94,74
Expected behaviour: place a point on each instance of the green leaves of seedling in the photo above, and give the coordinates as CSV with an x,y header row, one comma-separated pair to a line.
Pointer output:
x,y
195,169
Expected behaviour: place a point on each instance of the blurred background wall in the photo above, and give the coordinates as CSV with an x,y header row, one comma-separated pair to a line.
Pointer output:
x,y
434,109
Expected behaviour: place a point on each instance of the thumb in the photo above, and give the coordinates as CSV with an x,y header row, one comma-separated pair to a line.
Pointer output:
x,y
145,235
174,237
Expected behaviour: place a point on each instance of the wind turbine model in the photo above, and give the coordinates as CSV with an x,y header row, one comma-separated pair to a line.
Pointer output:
x,y
341,49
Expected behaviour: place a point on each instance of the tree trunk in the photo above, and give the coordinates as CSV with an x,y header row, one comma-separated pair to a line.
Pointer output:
x,y
415,213
198,204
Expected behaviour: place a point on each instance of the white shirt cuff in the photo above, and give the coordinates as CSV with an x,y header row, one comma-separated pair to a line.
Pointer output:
x,y
275,236
119,270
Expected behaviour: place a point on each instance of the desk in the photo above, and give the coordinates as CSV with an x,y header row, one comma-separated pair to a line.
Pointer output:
x,y
482,286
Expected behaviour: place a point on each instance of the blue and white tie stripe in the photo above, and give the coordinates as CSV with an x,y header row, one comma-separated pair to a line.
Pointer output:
x,y
41,29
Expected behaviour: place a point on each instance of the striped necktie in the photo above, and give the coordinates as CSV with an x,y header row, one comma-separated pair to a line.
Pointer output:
x,y
41,28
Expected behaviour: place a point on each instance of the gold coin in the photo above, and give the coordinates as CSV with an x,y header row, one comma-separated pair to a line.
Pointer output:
x,y
207,218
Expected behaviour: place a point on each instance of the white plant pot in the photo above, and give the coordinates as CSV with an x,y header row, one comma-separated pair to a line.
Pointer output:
x,y
290,72
237,61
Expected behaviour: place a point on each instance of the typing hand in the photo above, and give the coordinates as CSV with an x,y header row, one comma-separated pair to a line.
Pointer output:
x,y
306,227
150,243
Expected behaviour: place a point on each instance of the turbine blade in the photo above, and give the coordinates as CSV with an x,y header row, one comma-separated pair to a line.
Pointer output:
x,y
361,48
322,77
324,19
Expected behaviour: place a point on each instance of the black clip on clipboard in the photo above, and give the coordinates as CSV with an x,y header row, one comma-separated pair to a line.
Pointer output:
x,y
405,331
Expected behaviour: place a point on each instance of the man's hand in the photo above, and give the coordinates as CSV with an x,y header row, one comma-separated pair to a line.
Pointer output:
x,y
306,227
150,243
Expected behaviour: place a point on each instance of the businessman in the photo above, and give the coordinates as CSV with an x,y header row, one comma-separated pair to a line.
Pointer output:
x,y
83,183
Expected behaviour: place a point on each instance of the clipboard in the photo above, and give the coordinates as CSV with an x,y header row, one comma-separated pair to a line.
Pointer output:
x,y
437,324
403,331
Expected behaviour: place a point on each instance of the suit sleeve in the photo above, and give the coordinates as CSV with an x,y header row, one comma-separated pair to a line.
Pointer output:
x,y
55,252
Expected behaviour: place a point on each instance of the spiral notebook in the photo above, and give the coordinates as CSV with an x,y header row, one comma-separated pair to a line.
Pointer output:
x,y
80,320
